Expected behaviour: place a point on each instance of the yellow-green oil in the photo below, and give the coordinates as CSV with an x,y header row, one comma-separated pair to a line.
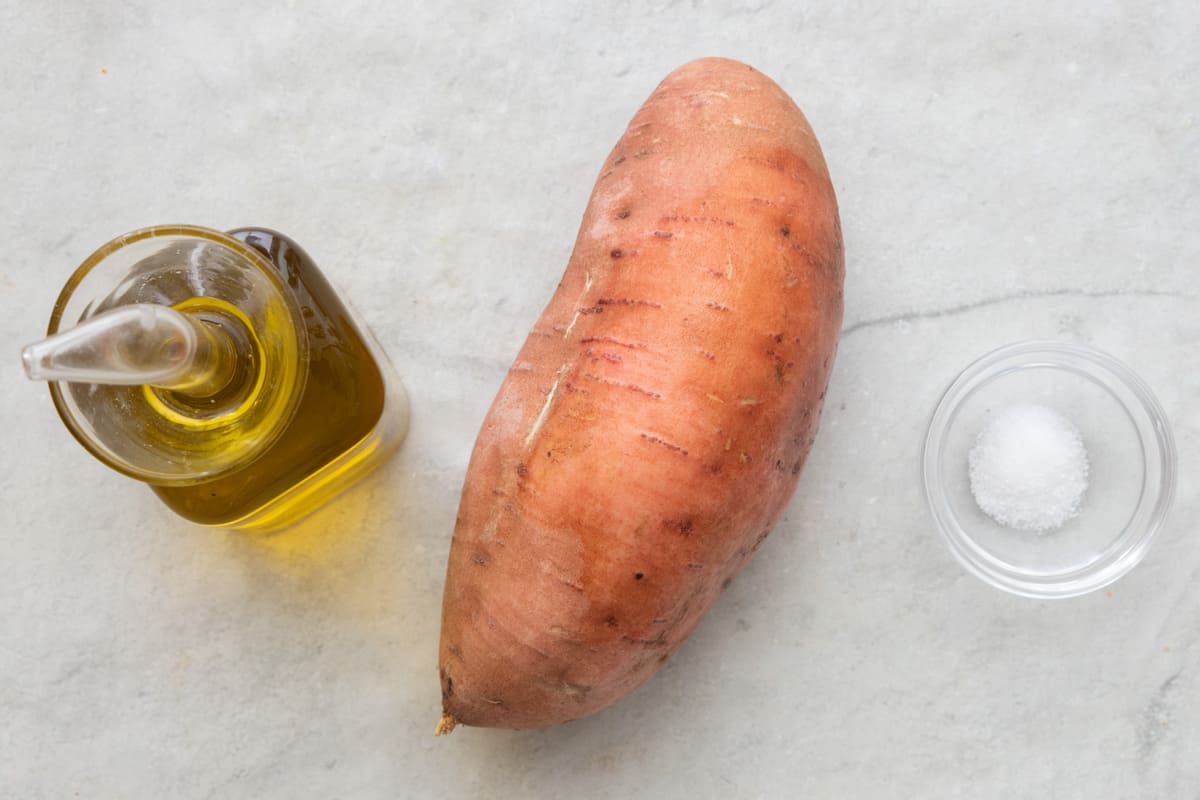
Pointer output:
x,y
332,437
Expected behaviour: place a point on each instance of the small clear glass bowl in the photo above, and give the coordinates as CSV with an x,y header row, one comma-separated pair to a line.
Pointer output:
x,y
1131,478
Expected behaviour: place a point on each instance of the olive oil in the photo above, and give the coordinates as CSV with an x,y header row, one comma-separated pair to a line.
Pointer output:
x,y
285,401
340,406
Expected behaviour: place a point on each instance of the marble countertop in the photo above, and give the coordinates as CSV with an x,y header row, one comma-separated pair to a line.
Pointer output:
x,y
1021,170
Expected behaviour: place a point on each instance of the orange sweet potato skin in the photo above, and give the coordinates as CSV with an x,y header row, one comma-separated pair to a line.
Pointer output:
x,y
654,424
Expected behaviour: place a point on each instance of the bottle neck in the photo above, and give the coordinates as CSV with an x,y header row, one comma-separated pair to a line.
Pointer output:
x,y
226,338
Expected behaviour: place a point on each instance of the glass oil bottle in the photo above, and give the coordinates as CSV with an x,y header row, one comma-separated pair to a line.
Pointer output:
x,y
221,369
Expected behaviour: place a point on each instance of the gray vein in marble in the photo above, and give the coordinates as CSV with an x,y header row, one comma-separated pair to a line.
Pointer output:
x,y
964,308
1156,719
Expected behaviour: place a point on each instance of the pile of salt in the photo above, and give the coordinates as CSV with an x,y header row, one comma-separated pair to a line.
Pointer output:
x,y
1029,468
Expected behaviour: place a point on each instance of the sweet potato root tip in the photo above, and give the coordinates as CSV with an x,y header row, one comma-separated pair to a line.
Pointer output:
x,y
445,725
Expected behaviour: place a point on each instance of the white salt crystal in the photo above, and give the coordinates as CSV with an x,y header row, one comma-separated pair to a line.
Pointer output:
x,y
1029,468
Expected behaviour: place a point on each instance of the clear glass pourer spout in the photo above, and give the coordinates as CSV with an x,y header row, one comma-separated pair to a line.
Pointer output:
x,y
137,344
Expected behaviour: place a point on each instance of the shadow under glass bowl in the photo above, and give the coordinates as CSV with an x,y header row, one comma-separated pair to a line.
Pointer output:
x,y
1131,478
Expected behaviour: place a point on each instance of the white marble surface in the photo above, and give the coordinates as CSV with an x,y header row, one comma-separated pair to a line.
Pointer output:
x,y
1004,170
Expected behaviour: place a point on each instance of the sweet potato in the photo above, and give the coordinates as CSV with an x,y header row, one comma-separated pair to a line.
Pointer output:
x,y
654,425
